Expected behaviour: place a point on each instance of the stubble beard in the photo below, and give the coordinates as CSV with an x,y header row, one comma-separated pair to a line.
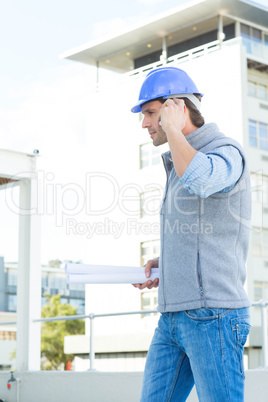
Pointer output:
x,y
160,139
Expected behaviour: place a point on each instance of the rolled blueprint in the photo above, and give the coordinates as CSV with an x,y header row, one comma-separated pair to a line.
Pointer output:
x,y
101,274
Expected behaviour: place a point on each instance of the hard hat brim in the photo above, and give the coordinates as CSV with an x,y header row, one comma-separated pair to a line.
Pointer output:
x,y
137,107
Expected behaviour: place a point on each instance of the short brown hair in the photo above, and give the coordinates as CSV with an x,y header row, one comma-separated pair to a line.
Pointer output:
x,y
196,117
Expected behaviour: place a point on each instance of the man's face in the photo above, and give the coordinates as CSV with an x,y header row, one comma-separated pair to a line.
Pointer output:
x,y
150,112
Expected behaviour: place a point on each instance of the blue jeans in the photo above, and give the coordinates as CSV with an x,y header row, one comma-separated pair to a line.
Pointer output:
x,y
202,347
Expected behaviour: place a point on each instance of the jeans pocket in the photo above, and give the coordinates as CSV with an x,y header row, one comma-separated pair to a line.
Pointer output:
x,y
240,330
204,314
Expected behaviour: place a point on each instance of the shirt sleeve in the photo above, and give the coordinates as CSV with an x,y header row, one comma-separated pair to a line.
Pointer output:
x,y
213,172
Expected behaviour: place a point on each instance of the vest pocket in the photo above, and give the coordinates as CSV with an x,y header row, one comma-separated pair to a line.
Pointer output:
x,y
240,330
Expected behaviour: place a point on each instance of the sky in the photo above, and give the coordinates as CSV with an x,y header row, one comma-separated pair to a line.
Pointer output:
x,y
44,100
41,92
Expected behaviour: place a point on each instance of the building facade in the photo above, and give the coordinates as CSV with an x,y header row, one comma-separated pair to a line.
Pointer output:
x,y
223,46
53,283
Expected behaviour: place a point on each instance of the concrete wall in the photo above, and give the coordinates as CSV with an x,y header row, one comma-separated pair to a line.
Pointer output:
x,y
44,386
2,285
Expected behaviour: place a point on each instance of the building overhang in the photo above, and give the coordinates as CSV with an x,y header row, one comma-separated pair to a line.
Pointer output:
x,y
117,52
15,166
257,65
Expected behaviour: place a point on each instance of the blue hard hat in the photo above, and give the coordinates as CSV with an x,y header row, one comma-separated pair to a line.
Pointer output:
x,y
163,82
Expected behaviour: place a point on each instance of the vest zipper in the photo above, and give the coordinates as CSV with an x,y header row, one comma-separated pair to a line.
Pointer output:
x,y
200,281
162,248
168,173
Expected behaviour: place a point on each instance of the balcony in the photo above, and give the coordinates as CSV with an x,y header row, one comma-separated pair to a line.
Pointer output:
x,y
256,54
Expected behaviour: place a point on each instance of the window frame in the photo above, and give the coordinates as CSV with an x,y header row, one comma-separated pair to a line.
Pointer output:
x,y
152,254
153,154
143,211
260,234
258,138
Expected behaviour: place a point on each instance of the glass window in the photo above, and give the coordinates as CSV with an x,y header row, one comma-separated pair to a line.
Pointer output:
x,y
150,203
144,156
258,135
263,144
79,304
12,278
145,301
145,251
265,190
149,301
156,248
261,91
263,130
245,30
245,33
265,241
253,133
256,34
57,281
12,302
44,280
252,39
77,286
259,240
149,155
263,136
149,250
256,187
252,88
260,290
258,90
266,47
155,156
257,290
259,187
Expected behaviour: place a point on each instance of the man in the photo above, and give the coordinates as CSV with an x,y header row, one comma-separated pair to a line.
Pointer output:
x,y
204,224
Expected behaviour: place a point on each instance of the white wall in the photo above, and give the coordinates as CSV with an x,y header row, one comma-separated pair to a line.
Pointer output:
x,y
54,386
6,348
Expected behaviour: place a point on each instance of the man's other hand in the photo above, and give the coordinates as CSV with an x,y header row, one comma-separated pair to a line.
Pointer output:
x,y
149,284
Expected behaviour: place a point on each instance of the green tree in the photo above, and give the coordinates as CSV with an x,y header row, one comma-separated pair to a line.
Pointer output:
x,y
55,263
52,333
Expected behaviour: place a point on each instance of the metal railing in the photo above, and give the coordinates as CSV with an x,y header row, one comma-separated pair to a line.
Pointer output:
x,y
262,304
174,60
91,317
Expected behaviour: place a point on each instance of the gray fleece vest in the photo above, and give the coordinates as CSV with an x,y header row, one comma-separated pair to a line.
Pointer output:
x,y
204,241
